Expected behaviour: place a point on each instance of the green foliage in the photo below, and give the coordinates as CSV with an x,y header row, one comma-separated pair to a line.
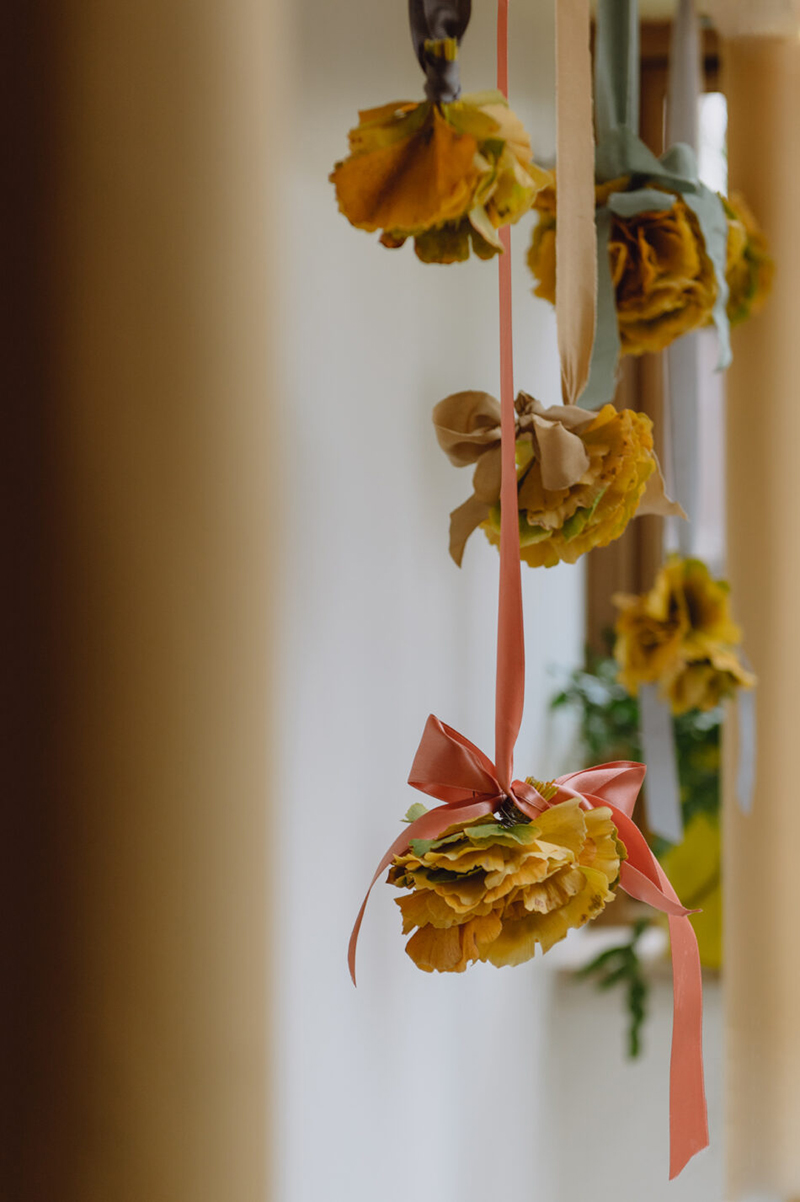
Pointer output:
x,y
415,811
609,716
621,966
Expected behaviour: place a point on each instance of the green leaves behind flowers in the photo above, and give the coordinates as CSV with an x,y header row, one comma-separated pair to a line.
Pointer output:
x,y
621,966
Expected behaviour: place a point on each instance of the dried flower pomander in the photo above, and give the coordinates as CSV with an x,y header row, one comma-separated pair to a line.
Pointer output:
x,y
664,281
581,476
448,175
750,268
680,635
490,890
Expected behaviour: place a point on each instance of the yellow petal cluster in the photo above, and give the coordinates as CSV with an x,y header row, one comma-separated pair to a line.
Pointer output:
x,y
750,268
663,279
490,891
680,635
561,525
448,176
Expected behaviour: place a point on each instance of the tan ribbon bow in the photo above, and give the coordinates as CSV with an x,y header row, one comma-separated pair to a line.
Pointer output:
x,y
468,430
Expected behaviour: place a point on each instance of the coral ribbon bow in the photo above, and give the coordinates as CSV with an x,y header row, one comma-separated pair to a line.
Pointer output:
x,y
456,772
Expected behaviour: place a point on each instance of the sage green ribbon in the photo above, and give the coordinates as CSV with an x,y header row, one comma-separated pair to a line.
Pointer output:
x,y
620,151
682,358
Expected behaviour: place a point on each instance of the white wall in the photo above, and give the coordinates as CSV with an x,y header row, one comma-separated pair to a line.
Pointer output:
x,y
621,1107
434,1085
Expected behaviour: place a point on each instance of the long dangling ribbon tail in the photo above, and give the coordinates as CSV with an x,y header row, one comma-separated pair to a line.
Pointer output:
x,y
642,877
688,1114
688,1111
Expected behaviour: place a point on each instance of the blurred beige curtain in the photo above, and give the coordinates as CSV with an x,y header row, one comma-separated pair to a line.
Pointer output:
x,y
759,18
138,478
762,948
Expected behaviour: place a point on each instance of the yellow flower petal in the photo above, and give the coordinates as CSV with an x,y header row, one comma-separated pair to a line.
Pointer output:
x,y
454,949
421,180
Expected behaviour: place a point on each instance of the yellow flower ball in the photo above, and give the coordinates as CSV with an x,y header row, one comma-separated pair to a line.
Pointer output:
x,y
493,891
663,279
562,525
448,176
680,635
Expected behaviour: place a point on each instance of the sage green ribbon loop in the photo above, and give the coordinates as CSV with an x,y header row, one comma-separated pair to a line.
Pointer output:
x,y
616,71
621,152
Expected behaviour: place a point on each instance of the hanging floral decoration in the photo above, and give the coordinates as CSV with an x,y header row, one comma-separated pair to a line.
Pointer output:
x,y
581,476
680,636
499,869
448,171
664,282
502,865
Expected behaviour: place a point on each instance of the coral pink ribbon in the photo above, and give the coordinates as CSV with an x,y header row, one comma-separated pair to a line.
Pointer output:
x,y
452,769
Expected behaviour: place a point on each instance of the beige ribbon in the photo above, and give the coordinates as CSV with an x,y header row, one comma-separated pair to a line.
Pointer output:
x,y
576,245
468,430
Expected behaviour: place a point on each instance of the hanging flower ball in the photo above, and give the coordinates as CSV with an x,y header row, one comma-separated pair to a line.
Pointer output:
x,y
664,281
680,635
581,476
492,890
448,175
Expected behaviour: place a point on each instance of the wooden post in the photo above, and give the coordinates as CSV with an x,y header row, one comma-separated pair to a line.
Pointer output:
x,y
762,949
141,413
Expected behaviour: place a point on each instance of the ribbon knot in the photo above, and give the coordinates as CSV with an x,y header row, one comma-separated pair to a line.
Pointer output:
x,y
467,428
